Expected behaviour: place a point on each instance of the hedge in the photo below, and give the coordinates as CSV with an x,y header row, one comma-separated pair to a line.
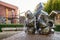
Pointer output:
x,y
57,28
10,25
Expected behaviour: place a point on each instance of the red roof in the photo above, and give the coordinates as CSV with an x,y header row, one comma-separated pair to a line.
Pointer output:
x,y
8,5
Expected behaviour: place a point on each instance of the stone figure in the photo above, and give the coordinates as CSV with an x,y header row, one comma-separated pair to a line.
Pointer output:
x,y
38,22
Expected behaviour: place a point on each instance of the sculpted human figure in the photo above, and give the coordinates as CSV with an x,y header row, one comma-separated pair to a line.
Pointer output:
x,y
30,22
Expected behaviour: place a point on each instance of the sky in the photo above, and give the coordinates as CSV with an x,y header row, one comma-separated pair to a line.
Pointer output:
x,y
24,5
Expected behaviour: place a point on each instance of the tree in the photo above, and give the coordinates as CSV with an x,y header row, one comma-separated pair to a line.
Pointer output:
x,y
52,5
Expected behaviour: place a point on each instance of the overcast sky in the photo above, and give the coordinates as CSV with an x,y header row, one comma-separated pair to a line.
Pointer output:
x,y
24,5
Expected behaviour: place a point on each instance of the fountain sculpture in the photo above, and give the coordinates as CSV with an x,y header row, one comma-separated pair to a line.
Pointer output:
x,y
38,22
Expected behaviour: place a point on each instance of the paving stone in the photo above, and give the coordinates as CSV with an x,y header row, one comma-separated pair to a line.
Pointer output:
x,y
24,36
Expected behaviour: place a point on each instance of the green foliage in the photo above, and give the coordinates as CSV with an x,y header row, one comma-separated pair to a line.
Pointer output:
x,y
57,28
10,25
52,5
0,29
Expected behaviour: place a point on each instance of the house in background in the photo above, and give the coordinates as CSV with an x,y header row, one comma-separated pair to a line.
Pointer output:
x,y
55,15
8,12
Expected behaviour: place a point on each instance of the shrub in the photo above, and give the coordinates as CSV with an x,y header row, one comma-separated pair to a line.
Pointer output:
x,y
57,28
10,25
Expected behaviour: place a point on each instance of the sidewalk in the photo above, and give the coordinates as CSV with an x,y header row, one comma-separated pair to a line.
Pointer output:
x,y
24,36
7,34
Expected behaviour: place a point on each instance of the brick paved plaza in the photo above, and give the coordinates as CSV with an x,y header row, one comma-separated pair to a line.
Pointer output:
x,y
23,36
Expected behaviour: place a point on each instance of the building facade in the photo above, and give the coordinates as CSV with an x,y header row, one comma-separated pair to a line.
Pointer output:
x,y
9,12
21,19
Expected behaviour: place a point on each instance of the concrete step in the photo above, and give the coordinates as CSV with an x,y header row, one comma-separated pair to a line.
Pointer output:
x,y
13,29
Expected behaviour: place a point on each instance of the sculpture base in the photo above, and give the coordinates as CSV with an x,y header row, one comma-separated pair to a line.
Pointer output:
x,y
43,31
40,33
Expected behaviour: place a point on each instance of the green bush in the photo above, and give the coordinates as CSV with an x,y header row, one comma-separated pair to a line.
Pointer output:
x,y
57,28
0,29
10,25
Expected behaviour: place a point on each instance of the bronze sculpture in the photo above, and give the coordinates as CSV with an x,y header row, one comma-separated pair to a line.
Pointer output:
x,y
38,22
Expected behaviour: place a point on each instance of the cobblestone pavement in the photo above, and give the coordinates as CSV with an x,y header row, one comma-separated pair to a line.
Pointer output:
x,y
23,36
